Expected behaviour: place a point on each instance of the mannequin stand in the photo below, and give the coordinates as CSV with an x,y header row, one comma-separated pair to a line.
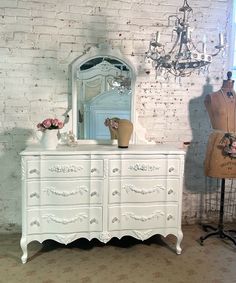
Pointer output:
x,y
220,230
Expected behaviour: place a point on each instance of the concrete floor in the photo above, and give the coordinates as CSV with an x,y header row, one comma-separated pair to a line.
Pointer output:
x,y
127,260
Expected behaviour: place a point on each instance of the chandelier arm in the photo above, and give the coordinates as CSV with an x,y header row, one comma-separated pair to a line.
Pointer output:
x,y
195,48
175,44
219,50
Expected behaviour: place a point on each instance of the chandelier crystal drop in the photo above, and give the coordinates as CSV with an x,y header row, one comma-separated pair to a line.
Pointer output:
x,y
183,58
121,83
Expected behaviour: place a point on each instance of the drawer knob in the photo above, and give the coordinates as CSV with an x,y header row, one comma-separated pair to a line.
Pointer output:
x,y
115,219
115,193
169,217
32,171
171,169
35,222
94,170
170,192
93,220
93,194
34,195
115,170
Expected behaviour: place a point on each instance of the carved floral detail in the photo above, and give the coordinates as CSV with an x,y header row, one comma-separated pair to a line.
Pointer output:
x,y
143,235
142,191
143,167
52,190
155,214
65,168
64,221
23,168
105,237
66,239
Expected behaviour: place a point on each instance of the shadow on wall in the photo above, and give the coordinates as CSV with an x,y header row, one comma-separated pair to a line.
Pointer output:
x,y
12,142
196,183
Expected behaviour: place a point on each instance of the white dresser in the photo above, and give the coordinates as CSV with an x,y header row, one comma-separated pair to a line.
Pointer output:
x,y
96,191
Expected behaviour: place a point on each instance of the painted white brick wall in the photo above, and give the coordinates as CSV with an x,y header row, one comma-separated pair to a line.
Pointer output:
x,y
38,41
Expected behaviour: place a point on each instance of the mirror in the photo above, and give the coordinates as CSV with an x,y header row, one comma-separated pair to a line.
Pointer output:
x,y
102,87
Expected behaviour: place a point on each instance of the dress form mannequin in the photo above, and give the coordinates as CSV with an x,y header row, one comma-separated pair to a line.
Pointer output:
x,y
220,160
221,107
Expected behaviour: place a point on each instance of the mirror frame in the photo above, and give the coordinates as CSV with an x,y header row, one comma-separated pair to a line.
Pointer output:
x,y
100,51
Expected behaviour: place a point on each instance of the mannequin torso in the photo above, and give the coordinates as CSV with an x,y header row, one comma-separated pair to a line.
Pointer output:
x,y
221,107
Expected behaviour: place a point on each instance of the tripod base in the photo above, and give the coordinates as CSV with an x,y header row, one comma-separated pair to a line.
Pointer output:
x,y
218,231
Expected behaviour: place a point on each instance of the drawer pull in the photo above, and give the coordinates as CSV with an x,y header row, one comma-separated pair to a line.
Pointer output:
x,y
115,170
171,169
34,195
170,192
94,220
115,219
115,193
94,194
169,217
93,170
32,171
35,222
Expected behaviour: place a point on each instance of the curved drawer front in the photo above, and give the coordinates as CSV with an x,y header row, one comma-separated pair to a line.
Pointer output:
x,y
67,192
145,167
140,217
64,220
64,168
143,190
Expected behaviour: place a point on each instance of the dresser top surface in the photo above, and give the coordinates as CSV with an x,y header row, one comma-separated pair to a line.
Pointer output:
x,y
104,150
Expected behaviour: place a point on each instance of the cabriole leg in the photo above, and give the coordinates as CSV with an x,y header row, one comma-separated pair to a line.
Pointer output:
x,y
179,240
23,244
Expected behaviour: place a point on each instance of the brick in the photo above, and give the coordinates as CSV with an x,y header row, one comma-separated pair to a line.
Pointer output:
x,y
8,3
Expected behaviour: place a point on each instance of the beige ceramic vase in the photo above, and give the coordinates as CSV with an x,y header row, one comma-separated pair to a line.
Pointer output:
x,y
124,132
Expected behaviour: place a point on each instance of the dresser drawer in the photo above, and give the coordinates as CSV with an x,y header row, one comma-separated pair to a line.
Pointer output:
x,y
64,220
142,217
59,168
143,190
145,167
64,192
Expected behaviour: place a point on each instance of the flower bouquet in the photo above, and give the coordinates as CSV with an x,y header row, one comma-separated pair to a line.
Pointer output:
x,y
113,124
50,124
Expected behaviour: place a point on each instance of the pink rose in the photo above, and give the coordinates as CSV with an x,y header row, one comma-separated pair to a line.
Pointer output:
x,y
55,122
47,123
50,124
114,124
60,125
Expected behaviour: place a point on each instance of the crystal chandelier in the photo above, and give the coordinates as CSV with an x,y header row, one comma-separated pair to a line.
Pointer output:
x,y
121,83
183,58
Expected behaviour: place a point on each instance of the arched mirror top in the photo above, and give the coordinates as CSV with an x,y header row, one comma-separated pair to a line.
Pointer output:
x,y
102,87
